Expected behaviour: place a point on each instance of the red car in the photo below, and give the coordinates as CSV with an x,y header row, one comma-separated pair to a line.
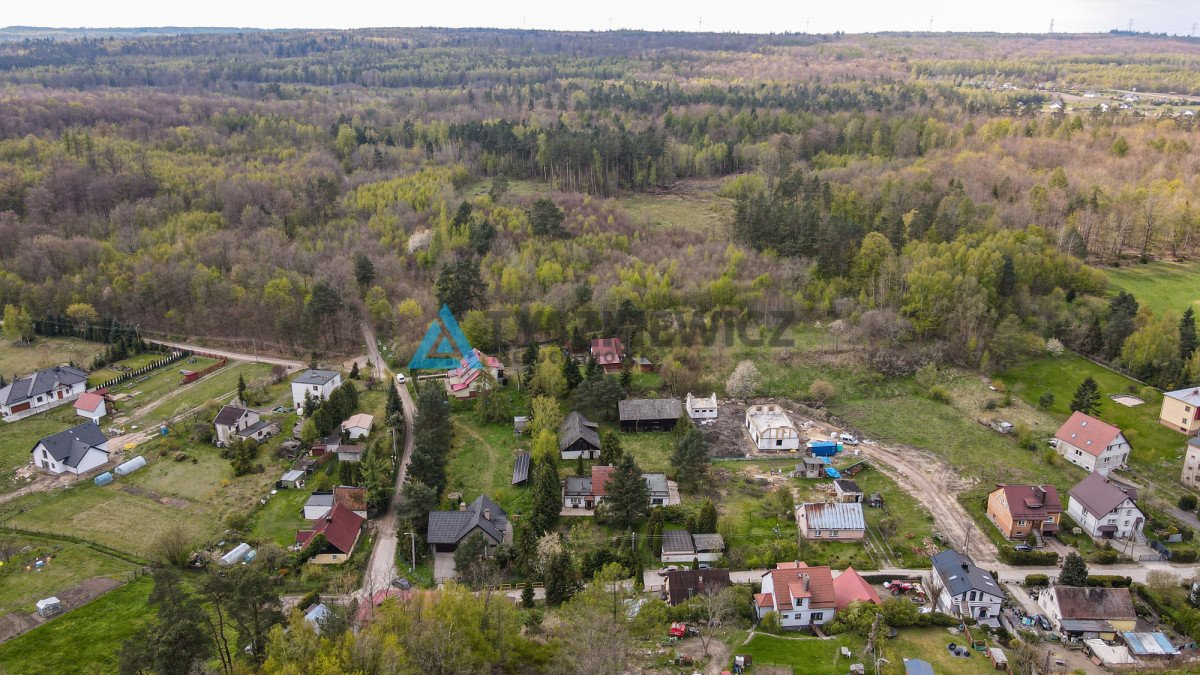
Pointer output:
x,y
678,630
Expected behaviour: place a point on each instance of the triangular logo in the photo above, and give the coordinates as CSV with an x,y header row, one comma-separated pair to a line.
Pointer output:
x,y
444,345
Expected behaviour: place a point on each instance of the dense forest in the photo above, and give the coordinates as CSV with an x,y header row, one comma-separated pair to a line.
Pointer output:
x,y
277,185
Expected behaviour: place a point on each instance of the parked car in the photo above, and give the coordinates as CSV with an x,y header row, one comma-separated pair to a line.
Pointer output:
x,y
1043,622
400,378
845,439
1023,547
668,568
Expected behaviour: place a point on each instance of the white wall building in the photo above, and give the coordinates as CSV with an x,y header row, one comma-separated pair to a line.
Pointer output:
x,y
771,429
966,590
701,408
43,390
803,596
1104,510
76,450
317,384
1096,446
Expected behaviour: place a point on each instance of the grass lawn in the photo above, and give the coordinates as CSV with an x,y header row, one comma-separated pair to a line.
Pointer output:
x,y
1157,450
143,390
56,647
112,371
46,352
703,211
651,449
209,480
18,438
220,385
1161,286
71,564
814,656
114,517
280,518
912,522
481,462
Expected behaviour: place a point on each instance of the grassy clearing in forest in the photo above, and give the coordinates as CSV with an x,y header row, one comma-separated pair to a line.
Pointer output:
x,y
46,352
1161,286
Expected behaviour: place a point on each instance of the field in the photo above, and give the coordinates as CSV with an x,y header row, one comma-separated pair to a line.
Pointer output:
x,y
1161,286
70,564
56,647
17,438
279,519
481,462
811,656
115,370
46,352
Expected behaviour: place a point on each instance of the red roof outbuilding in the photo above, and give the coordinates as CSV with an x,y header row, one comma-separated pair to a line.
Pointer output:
x,y
89,402
850,586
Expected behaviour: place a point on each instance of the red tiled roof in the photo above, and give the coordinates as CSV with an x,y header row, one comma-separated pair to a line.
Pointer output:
x,y
340,527
600,476
818,590
1087,433
608,350
1025,502
90,402
353,498
764,600
850,586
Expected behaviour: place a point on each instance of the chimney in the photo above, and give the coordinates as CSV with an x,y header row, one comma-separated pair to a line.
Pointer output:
x,y
462,506
965,566
487,514
805,578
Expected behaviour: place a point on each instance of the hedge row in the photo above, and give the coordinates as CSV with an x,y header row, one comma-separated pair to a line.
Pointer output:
x,y
1028,558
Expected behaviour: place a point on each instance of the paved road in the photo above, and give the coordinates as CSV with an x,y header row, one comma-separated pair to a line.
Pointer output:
x,y
381,569
237,356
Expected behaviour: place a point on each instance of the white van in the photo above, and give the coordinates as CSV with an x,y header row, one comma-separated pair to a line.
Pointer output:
x,y
399,378
845,439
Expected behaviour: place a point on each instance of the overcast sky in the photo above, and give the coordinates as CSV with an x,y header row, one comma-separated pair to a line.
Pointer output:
x,y
1032,16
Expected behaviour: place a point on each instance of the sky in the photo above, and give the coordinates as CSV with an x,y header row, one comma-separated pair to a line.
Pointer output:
x,y
823,16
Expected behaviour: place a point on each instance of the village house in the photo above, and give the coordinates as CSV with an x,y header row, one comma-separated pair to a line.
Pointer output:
x,y
580,492
321,502
1191,463
1089,612
965,589
681,546
1105,510
577,437
1094,445
76,450
91,405
358,426
350,453
465,381
609,353
803,596
1180,410
849,586
836,522
314,384
233,422
41,391
701,408
1021,510
810,467
340,528
847,491
683,585
649,414
447,529
327,445
771,429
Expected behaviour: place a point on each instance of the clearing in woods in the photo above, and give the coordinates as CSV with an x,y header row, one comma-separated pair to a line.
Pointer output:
x,y
1161,286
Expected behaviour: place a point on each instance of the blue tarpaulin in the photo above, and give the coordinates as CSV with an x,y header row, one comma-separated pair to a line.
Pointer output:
x,y
832,472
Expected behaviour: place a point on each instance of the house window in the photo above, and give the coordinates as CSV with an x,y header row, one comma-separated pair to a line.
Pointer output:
x,y
971,596
778,442
818,616
833,533
1020,522
45,455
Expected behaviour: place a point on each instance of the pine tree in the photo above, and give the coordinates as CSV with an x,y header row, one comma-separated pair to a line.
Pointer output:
x,y
592,369
1074,571
570,371
690,458
395,408
610,448
547,498
354,371
580,466
241,389
627,498
1187,334
529,359
559,584
527,595
706,522
1087,397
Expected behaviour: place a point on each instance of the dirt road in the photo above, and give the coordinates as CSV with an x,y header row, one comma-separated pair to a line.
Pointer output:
x,y
237,356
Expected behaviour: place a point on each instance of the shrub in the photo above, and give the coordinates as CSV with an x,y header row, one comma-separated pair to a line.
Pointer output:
x,y
1028,558
310,598
1036,580
1187,502
1108,581
1054,347
770,623
1046,400
1107,556
1186,555
236,521
820,390
939,393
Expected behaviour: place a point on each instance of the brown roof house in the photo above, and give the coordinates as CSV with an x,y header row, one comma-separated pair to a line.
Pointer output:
x,y
609,353
1087,612
1094,445
849,586
802,595
683,585
1104,509
1021,510
340,529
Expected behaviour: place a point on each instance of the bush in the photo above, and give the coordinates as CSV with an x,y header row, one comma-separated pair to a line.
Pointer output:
x,y
1108,581
1028,558
770,623
942,619
1046,400
1187,502
1186,555
820,390
1107,556
939,393
310,598
1036,580
236,521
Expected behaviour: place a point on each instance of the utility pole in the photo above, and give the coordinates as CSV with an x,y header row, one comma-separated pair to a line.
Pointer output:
x,y
412,566
1052,26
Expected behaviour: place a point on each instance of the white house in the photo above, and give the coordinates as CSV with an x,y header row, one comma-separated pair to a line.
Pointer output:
x,y
966,590
92,406
803,596
771,429
1094,445
1104,510
701,408
230,421
316,384
43,390
358,426
76,450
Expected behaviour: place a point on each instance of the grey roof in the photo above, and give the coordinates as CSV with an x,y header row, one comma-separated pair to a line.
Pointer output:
x,y
656,482
1098,495
950,567
70,445
578,486
450,527
708,542
293,475
320,498
1087,602
814,461
41,382
838,516
917,667
1194,441
229,415
677,541
315,377
1189,395
650,409
847,485
521,468
255,428
574,427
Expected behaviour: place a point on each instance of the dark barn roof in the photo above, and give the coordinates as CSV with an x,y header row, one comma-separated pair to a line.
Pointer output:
x,y
641,409
521,468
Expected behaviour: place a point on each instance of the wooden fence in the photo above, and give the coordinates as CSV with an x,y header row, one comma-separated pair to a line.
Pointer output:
x,y
192,377
141,371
